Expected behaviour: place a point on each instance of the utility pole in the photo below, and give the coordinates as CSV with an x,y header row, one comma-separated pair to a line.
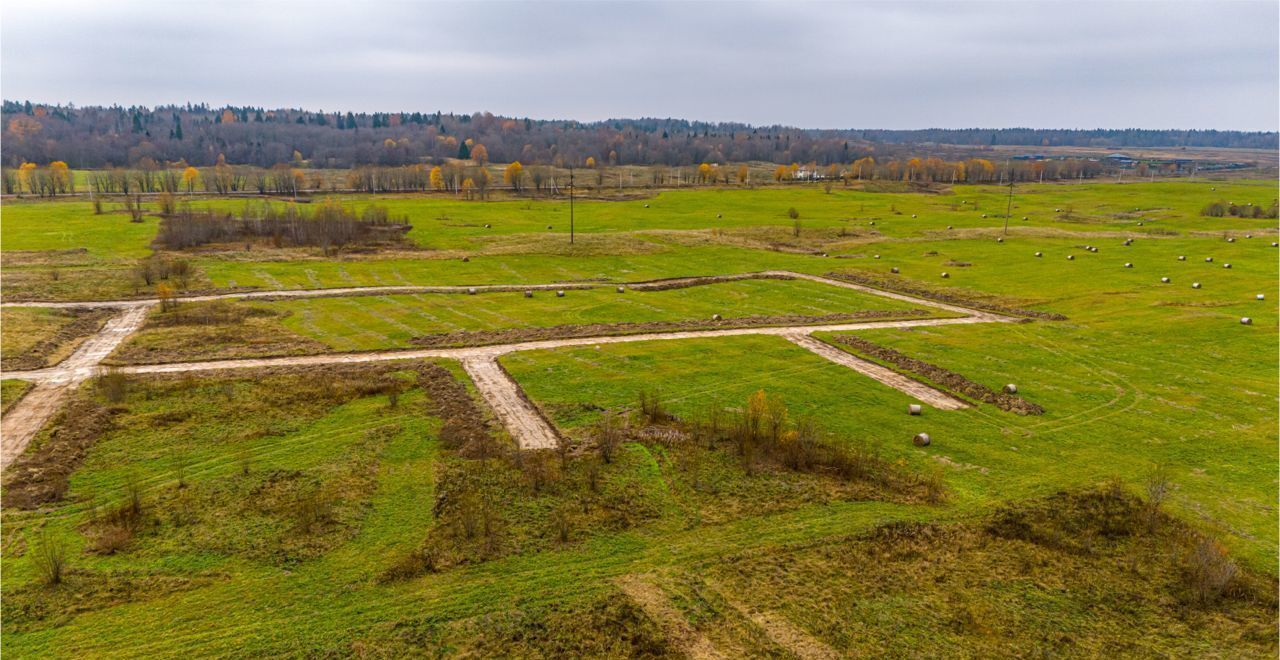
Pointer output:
x,y
1008,209
570,205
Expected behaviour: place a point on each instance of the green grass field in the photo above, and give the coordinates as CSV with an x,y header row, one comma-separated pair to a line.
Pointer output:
x,y
276,502
365,323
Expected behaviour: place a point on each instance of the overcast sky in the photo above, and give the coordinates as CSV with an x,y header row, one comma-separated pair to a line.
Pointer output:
x,y
816,65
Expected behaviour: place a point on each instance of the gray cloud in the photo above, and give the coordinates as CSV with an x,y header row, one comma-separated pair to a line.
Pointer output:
x,y
839,65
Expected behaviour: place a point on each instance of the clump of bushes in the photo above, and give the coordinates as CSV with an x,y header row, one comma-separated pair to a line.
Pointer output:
x,y
330,226
1221,208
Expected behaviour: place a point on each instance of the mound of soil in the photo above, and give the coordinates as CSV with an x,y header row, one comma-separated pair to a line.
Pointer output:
x,y
947,379
465,427
39,476
917,289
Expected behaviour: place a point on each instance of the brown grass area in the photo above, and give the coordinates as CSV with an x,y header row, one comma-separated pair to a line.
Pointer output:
x,y
1075,574
221,329
77,325
35,606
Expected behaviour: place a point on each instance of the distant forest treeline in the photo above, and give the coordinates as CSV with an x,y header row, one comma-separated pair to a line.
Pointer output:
x,y
94,137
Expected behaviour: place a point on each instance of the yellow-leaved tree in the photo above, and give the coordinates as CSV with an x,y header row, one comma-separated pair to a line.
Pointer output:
x,y
189,178
511,175
437,178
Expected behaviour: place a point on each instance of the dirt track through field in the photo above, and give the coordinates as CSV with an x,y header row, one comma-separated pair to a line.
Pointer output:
x,y
522,419
26,417
934,397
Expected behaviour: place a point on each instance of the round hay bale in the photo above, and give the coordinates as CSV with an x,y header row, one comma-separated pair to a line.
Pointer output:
x,y
877,256
946,275
1128,265
715,317
1071,257
1195,285
1226,265
984,215
894,270
1246,321
486,225
622,289
913,215
824,254
1274,244
1248,235
1260,297
471,291
718,216
1182,257
466,259
999,240
1213,189
1024,217
921,440
1039,254
1164,280
1093,249
528,293
873,222
1208,260
1010,389
948,226
914,409
560,293
1231,240
646,206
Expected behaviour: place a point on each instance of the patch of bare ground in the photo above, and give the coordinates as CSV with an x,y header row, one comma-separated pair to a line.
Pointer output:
x,y
50,350
962,297
1073,574
517,335
40,475
936,375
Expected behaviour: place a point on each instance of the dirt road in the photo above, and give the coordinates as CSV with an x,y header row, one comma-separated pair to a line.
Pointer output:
x,y
26,417
522,420
526,425
934,397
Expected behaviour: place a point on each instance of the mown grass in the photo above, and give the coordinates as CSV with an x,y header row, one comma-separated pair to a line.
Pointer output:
x,y
1141,374
361,323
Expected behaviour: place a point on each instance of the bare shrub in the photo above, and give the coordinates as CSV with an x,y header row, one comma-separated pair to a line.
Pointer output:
x,y
419,562
793,213
110,539
113,385
651,407
50,558
167,204
1158,489
608,434
312,509
562,524
97,207
1209,571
